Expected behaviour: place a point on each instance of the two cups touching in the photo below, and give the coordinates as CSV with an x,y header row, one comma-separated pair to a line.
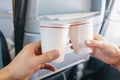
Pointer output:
x,y
54,35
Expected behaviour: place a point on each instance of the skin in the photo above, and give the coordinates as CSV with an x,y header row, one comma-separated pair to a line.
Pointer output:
x,y
29,60
104,50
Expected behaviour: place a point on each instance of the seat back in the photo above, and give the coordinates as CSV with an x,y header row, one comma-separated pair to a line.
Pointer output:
x,y
4,52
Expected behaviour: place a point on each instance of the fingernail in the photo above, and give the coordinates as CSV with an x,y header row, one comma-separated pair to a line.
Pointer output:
x,y
88,42
55,53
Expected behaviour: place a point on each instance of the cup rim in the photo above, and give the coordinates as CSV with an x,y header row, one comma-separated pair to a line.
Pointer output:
x,y
54,27
52,24
77,24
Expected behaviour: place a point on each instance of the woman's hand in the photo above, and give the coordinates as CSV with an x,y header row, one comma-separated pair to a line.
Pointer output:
x,y
29,61
104,50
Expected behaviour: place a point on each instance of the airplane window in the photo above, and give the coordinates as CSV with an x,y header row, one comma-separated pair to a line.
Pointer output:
x,y
112,24
117,6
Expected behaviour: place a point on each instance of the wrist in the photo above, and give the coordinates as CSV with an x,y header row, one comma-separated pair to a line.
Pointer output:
x,y
5,75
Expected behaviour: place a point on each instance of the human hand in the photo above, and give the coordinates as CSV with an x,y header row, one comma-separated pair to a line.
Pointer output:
x,y
104,50
28,61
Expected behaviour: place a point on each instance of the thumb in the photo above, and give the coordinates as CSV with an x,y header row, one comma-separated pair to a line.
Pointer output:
x,y
94,43
47,57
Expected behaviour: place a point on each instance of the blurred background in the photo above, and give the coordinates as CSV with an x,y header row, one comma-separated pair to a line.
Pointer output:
x,y
20,25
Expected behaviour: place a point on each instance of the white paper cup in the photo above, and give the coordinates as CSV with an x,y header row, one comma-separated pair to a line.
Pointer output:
x,y
80,32
54,36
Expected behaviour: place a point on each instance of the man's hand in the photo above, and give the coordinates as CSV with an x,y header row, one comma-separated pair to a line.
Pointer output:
x,y
28,61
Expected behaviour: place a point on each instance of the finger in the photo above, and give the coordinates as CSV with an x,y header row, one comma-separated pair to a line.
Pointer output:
x,y
47,57
98,37
37,50
119,46
31,46
94,51
50,67
94,43
47,66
